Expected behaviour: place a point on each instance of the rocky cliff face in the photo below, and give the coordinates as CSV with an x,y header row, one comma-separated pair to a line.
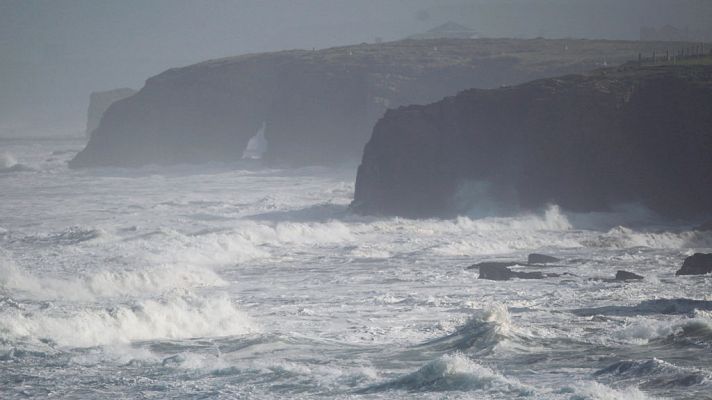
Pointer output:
x,y
585,142
318,107
99,102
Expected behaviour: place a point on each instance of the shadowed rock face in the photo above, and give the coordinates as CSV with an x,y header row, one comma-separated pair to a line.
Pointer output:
x,y
318,107
697,264
584,142
627,276
99,102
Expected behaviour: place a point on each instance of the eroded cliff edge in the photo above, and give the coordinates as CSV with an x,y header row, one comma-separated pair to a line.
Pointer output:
x,y
588,142
99,102
318,107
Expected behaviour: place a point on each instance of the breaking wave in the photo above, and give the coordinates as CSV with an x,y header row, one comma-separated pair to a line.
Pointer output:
x,y
622,237
689,331
8,163
106,283
176,317
598,391
654,373
454,373
480,335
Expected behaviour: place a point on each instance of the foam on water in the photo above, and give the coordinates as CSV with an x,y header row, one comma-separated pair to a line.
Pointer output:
x,y
622,237
480,335
126,283
597,391
643,330
105,283
174,317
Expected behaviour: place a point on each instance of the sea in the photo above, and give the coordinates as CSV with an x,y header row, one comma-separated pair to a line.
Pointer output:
x,y
239,281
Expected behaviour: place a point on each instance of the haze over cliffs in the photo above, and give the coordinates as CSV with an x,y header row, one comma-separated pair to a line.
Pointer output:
x,y
99,102
589,142
318,107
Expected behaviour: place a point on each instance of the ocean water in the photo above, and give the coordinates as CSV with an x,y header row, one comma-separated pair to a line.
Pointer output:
x,y
233,281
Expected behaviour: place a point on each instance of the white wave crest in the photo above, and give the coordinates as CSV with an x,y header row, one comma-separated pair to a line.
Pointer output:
x,y
176,317
7,160
106,283
597,391
456,372
621,237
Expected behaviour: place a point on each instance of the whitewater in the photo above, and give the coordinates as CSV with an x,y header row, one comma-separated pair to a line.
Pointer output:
x,y
238,281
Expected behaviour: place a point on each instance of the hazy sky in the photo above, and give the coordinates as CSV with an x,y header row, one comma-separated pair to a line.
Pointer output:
x,y
53,53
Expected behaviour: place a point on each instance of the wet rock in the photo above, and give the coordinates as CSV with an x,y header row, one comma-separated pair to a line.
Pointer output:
x,y
499,272
535,258
627,276
697,264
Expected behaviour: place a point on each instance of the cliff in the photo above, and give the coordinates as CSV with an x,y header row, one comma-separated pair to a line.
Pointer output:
x,y
585,142
99,102
318,107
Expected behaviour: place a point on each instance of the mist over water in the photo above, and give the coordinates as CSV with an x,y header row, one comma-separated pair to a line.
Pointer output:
x,y
229,281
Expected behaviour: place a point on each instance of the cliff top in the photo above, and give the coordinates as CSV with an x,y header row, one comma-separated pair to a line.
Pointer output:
x,y
435,53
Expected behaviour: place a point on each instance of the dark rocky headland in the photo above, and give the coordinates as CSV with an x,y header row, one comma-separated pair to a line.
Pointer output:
x,y
319,107
585,142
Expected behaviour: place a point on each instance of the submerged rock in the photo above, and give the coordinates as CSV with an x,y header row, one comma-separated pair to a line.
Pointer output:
x,y
535,258
627,276
319,107
584,142
697,264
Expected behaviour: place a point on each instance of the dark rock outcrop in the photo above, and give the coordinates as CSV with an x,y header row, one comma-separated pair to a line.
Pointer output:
x,y
99,102
318,107
535,258
584,142
697,264
627,276
501,273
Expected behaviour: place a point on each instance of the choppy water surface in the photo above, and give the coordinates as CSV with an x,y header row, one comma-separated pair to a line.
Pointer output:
x,y
227,281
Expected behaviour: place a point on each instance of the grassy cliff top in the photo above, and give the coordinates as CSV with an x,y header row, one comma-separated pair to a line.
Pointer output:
x,y
435,53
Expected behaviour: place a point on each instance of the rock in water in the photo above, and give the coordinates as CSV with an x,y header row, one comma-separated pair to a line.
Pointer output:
x,y
535,258
584,142
627,276
498,272
319,106
697,264
99,102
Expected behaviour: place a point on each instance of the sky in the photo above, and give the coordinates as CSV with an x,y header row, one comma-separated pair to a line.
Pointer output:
x,y
54,53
